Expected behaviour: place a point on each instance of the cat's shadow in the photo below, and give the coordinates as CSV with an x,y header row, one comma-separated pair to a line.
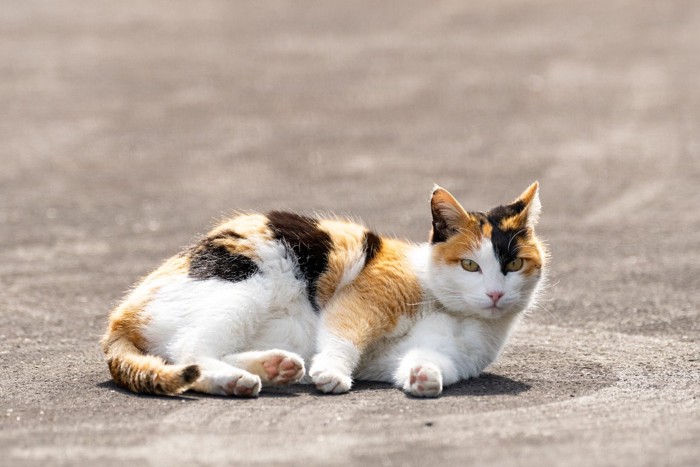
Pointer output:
x,y
488,384
112,386
282,391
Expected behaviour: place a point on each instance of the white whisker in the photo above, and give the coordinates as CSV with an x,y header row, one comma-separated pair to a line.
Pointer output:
x,y
513,237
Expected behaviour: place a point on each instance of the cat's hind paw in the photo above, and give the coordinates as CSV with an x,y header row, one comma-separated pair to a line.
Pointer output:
x,y
424,381
282,368
330,380
235,382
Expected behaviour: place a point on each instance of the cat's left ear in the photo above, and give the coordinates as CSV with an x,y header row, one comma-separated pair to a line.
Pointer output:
x,y
529,203
448,215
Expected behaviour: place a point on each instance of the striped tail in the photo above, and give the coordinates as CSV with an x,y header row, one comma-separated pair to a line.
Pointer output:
x,y
146,374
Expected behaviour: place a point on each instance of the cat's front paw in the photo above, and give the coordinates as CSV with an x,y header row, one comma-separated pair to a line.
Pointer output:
x,y
243,385
330,380
424,381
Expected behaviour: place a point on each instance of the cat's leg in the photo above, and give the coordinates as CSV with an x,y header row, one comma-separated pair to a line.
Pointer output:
x,y
338,356
274,367
218,377
428,357
423,372
349,324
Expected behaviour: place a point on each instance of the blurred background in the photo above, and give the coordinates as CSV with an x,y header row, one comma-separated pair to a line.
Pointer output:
x,y
127,128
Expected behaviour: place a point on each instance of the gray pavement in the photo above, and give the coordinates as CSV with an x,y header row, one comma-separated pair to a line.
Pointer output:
x,y
127,128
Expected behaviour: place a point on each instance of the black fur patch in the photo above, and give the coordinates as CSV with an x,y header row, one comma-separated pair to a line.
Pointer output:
x,y
209,260
372,244
310,245
190,374
503,212
505,242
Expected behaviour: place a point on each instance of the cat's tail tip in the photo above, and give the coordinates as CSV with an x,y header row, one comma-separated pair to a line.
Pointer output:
x,y
190,374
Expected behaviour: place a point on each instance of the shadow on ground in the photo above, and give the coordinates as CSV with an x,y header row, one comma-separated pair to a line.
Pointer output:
x,y
487,384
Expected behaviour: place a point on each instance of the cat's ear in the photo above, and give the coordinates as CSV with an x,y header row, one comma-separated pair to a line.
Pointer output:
x,y
448,215
529,204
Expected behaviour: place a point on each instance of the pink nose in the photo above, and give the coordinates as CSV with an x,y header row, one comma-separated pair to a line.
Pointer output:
x,y
495,296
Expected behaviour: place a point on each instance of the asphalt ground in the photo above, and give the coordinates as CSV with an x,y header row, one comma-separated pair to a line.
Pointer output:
x,y
127,128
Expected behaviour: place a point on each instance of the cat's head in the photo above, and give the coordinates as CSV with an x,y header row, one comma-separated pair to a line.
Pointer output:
x,y
486,264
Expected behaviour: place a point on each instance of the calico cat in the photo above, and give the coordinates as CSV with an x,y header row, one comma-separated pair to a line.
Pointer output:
x,y
260,295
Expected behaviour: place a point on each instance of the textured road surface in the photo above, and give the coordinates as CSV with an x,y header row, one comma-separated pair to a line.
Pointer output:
x,y
127,128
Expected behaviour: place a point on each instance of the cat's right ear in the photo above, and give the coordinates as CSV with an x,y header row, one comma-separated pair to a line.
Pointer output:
x,y
448,215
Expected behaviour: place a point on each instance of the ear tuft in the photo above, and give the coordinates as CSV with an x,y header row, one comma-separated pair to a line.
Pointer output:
x,y
448,215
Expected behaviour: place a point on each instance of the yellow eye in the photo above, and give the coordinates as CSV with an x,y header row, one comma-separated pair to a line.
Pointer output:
x,y
515,265
470,265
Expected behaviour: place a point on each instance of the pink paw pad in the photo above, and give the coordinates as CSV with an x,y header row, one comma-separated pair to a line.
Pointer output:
x,y
241,387
272,365
417,376
283,369
424,381
230,387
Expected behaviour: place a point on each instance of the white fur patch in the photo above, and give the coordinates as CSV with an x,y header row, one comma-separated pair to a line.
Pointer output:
x,y
190,318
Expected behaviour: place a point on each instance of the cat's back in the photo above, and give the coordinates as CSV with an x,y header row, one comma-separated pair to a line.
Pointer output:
x,y
322,254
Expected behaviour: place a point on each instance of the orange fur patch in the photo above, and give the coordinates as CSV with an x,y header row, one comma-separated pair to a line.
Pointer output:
x,y
372,305
532,251
347,240
245,225
240,234
514,222
520,220
467,239
529,194
486,230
